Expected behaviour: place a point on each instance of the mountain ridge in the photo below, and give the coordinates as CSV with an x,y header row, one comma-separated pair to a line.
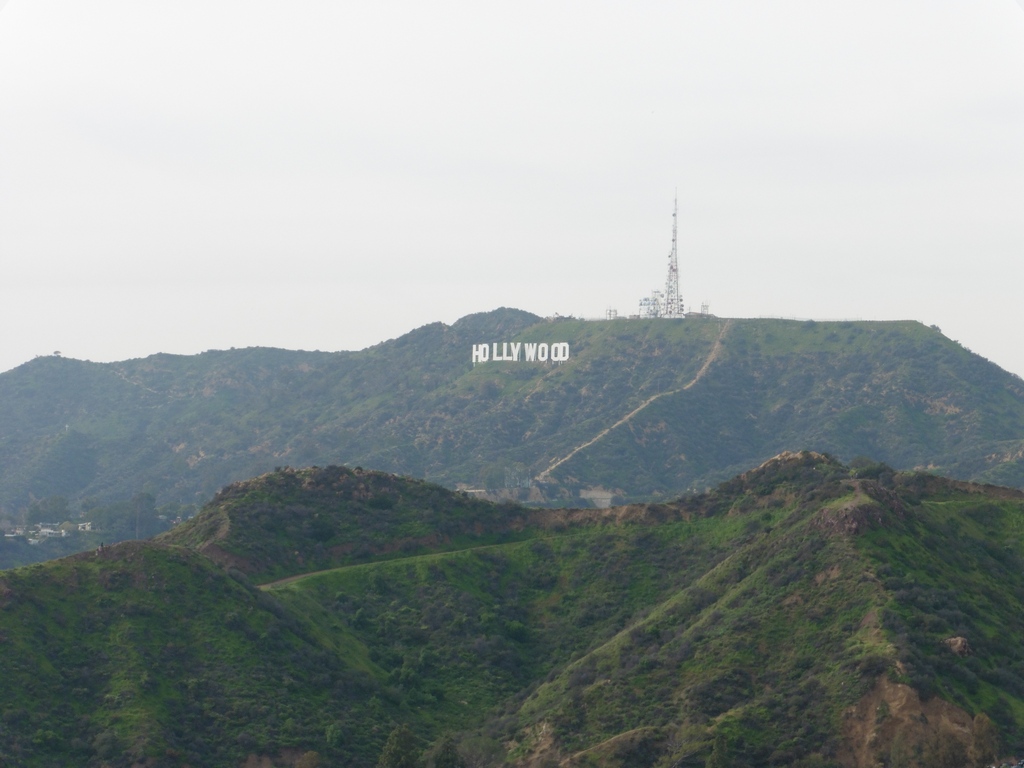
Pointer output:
x,y
626,418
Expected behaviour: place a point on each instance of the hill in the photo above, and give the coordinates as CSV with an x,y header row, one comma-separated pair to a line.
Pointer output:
x,y
641,410
296,521
803,613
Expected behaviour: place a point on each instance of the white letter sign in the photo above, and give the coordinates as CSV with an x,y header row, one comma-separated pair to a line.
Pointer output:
x,y
555,352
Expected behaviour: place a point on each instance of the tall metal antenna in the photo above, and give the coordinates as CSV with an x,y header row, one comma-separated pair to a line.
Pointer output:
x,y
673,301
668,303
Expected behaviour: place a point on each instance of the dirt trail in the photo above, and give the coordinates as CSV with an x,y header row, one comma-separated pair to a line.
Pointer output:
x,y
124,377
296,577
712,356
442,553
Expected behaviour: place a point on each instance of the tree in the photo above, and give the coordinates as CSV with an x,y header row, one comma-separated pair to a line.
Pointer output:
x,y
945,749
719,757
137,518
899,754
399,750
447,755
481,751
332,735
52,509
984,741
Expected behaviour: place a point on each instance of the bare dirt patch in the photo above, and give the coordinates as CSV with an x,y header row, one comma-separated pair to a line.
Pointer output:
x,y
827,575
870,727
543,750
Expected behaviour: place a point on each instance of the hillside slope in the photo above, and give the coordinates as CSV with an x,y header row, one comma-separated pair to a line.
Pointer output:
x,y
797,615
295,521
641,410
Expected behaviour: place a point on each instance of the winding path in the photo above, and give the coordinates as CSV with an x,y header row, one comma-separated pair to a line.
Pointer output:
x,y
712,356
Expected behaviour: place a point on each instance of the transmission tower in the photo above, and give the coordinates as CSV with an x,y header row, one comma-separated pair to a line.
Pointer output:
x,y
673,306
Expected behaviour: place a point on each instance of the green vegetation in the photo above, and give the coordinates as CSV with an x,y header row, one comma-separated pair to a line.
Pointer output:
x,y
296,521
94,525
398,622
147,650
179,428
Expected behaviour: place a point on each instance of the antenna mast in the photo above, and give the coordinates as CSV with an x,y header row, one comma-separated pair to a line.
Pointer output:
x,y
673,301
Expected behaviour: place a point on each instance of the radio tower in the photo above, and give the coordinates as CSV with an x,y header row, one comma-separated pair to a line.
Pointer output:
x,y
673,301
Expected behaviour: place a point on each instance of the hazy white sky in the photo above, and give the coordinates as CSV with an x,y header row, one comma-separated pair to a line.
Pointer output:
x,y
192,175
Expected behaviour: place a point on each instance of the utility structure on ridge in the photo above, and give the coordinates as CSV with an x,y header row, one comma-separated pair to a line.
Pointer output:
x,y
667,303
673,301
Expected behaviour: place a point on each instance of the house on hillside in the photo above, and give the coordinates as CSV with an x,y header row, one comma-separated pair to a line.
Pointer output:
x,y
47,531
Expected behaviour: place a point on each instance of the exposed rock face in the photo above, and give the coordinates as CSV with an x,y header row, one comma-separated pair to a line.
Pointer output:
x,y
892,713
850,519
887,498
958,645
787,457
870,506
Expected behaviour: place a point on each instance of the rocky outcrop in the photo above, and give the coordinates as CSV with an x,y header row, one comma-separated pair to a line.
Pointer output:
x,y
958,645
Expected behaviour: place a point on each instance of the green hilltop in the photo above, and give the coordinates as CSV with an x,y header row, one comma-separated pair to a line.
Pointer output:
x,y
642,410
802,613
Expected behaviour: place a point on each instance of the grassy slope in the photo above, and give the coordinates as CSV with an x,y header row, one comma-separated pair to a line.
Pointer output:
x,y
760,611
896,392
954,568
149,650
296,521
768,647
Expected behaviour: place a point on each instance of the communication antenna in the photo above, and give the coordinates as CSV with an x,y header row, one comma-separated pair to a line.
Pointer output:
x,y
673,301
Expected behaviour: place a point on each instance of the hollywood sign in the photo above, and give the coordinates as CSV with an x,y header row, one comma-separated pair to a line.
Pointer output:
x,y
516,351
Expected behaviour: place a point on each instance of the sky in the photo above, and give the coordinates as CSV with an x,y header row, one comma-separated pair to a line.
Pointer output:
x,y
177,177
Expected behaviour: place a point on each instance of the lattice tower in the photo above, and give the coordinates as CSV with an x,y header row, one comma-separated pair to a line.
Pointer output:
x,y
673,306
